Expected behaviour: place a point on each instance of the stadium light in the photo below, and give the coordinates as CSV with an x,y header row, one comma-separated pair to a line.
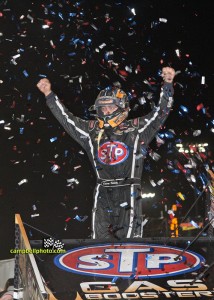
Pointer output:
x,y
189,148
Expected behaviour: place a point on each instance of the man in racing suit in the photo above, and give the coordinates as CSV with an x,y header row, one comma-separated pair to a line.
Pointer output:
x,y
114,147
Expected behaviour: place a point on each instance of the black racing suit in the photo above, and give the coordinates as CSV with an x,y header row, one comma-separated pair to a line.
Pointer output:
x,y
118,163
210,208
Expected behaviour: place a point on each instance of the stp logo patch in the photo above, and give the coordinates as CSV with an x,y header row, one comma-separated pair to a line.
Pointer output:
x,y
129,259
112,153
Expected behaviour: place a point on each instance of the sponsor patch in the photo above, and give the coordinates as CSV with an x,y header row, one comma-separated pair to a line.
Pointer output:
x,y
112,153
129,259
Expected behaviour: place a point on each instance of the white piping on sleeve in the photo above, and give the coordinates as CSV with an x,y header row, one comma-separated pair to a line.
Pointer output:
x,y
131,219
134,155
94,211
154,117
69,120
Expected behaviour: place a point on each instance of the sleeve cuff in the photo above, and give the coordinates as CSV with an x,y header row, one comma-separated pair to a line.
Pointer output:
x,y
50,96
168,88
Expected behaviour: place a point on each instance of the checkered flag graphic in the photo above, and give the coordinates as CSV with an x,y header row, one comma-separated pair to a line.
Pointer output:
x,y
58,245
47,243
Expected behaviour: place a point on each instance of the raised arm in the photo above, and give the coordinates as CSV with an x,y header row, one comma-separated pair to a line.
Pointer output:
x,y
74,126
150,124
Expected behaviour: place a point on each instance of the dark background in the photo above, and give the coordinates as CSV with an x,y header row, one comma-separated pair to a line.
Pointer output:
x,y
67,54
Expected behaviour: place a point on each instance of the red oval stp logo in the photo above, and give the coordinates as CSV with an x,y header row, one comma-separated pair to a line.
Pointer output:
x,y
112,153
129,259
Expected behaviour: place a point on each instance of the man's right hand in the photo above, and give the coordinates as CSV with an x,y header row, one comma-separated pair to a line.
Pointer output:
x,y
44,86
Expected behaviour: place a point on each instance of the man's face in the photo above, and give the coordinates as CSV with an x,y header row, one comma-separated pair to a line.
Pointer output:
x,y
108,109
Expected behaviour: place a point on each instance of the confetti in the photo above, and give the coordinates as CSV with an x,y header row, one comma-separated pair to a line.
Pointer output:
x,y
83,48
196,132
124,204
203,80
152,183
71,181
53,139
34,215
81,218
181,196
22,181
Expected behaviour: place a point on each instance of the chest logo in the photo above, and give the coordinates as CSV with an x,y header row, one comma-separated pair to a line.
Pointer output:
x,y
112,153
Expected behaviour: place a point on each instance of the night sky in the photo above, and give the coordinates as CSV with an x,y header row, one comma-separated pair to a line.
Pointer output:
x,y
83,47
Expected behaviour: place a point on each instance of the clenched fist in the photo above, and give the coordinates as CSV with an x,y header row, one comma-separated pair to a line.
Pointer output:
x,y
168,74
44,86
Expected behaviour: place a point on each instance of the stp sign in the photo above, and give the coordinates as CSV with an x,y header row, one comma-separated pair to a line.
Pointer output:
x,y
129,259
112,153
